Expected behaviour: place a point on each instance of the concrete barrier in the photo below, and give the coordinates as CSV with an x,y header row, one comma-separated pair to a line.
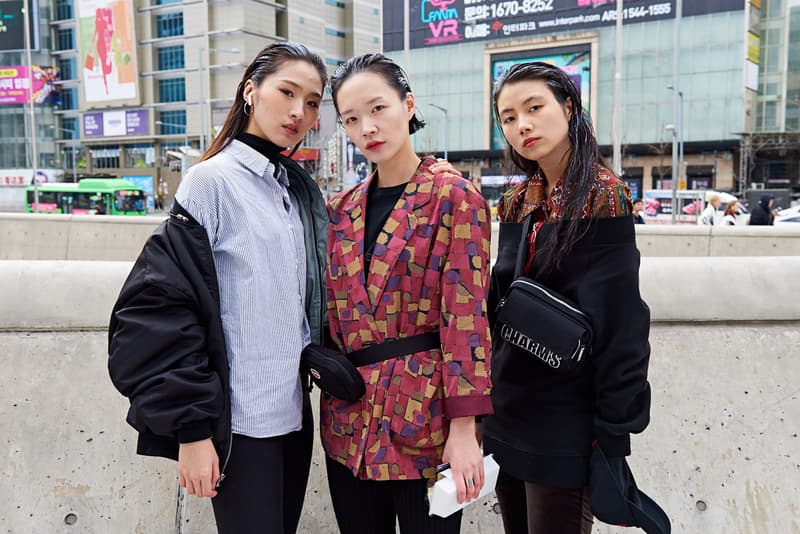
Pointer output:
x,y
26,236
722,453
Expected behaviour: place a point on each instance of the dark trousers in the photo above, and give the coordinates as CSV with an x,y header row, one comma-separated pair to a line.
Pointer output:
x,y
374,507
265,482
528,508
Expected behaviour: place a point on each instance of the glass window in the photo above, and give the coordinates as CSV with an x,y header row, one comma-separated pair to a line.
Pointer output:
x,y
170,58
173,122
770,115
105,156
169,25
71,126
63,9
335,33
140,156
334,3
65,39
164,2
67,68
172,90
129,201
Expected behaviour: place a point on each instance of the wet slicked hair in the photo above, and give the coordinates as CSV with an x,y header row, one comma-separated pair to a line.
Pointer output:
x,y
266,62
584,156
381,65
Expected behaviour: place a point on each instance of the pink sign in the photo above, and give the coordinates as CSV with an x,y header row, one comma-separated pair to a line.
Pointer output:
x,y
14,84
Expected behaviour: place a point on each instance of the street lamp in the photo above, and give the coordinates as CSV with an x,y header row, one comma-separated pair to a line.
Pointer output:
x,y
680,131
176,125
72,149
446,126
200,69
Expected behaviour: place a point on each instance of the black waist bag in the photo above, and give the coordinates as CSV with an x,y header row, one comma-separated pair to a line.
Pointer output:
x,y
332,372
539,323
337,373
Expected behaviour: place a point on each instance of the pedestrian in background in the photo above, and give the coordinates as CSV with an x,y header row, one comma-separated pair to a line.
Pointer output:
x,y
408,253
708,215
205,338
731,212
638,208
582,246
762,214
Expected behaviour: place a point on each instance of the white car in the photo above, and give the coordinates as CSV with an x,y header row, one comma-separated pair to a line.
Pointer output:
x,y
789,215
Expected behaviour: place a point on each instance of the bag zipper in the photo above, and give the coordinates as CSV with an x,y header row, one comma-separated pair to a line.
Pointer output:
x,y
549,295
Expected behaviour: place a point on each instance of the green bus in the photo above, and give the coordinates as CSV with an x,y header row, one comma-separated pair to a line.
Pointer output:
x,y
106,196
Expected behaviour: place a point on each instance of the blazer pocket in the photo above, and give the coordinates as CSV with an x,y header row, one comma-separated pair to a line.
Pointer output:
x,y
414,403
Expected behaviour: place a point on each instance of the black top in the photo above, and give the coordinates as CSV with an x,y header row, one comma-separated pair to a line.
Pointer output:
x,y
380,203
545,422
268,149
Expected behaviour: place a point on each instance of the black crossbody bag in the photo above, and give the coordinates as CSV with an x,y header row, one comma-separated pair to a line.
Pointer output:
x,y
336,373
539,323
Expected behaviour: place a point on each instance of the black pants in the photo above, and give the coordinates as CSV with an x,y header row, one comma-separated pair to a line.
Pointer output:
x,y
529,508
374,507
265,482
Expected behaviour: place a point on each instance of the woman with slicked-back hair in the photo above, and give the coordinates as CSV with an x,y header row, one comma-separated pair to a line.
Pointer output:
x,y
408,273
581,245
205,338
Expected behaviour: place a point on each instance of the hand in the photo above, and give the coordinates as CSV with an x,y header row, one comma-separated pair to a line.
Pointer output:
x,y
198,468
442,165
465,458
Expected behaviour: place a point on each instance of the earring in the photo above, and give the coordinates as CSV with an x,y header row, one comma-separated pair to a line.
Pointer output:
x,y
248,106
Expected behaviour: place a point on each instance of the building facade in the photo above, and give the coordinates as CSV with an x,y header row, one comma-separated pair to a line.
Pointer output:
x,y
139,79
458,48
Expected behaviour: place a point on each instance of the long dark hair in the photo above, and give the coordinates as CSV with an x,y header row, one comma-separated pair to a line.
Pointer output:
x,y
584,156
381,65
266,62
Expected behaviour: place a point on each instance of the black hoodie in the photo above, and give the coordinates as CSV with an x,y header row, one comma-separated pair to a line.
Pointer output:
x,y
762,213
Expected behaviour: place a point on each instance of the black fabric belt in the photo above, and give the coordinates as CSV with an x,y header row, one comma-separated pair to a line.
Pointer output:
x,y
394,348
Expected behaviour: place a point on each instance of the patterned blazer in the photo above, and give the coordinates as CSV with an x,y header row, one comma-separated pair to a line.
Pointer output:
x,y
429,270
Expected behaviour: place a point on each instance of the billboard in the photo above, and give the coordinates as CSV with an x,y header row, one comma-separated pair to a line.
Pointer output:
x,y
116,123
576,61
440,22
12,25
107,50
14,85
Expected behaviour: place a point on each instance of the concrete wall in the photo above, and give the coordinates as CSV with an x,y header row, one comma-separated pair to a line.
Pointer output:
x,y
722,453
105,237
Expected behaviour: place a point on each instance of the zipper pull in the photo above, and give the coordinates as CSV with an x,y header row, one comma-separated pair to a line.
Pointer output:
x,y
180,217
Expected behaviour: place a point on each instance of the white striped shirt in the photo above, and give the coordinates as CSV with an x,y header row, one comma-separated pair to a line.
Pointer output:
x,y
256,237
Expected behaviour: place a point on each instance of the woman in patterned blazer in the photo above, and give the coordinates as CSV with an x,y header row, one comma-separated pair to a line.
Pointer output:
x,y
408,254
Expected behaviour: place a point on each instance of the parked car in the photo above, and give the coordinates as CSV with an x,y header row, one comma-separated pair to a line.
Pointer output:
x,y
789,215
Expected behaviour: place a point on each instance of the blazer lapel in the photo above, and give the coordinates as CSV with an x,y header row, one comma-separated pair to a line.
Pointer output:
x,y
396,233
352,242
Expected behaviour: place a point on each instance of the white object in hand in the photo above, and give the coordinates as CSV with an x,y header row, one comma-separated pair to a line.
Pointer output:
x,y
443,498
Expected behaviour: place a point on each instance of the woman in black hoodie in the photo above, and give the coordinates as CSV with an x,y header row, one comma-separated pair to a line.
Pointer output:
x,y
762,214
582,245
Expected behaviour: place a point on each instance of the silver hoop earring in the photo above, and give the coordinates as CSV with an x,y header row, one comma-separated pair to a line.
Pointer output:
x,y
248,109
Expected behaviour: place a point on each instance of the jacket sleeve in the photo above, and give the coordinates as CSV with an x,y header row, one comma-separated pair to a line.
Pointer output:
x,y
464,328
158,358
621,352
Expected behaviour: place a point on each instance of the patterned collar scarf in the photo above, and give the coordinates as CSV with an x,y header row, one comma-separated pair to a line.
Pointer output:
x,y
531,197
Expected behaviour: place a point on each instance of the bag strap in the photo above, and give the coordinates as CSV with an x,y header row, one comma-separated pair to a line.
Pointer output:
x,y
395,348
522,250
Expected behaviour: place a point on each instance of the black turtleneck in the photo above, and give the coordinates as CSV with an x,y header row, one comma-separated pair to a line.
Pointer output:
x,y
268,149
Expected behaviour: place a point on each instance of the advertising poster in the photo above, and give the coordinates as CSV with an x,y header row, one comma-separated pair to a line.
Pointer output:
x,y
442,22
115,123
107,52
576,61
12,25
14,83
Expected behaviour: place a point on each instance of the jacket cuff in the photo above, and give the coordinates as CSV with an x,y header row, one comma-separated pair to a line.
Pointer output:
x,y
467,406
195,432
614,446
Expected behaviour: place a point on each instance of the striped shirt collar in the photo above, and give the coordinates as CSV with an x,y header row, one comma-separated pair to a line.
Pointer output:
x,y
256,162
